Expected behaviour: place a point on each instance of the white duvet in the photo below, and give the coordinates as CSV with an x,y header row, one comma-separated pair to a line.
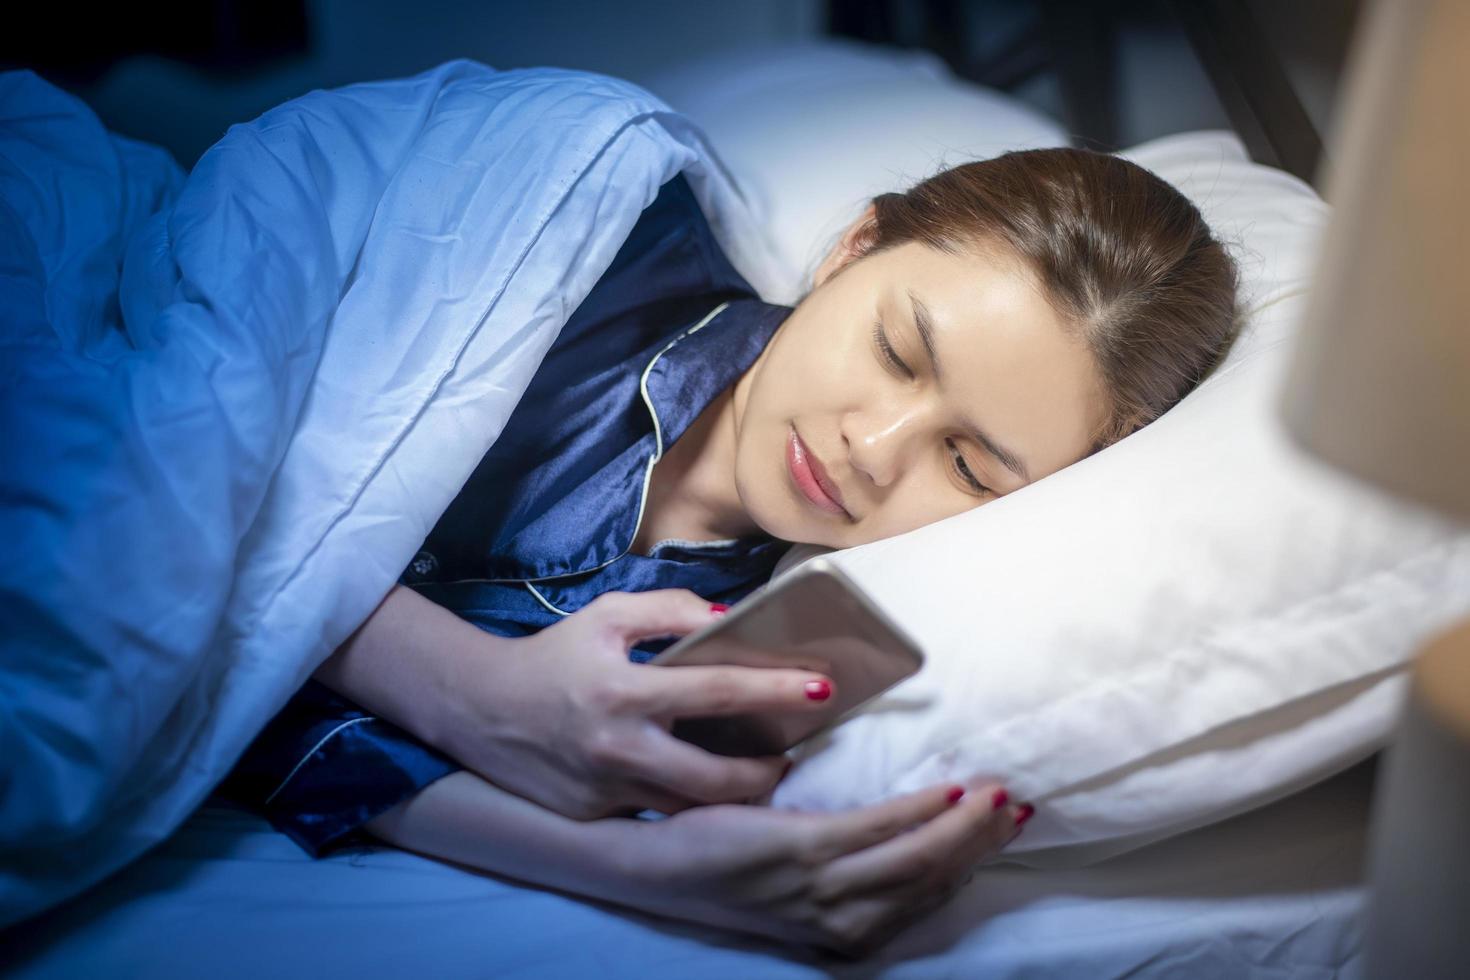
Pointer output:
x,y
233,404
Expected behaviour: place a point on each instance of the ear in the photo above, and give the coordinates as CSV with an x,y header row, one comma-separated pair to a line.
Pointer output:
x,y
855,242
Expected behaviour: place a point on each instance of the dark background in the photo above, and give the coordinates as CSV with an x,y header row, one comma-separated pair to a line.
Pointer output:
x,y
1116,72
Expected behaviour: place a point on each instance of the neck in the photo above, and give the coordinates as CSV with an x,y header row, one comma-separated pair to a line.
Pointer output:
x,y
692,493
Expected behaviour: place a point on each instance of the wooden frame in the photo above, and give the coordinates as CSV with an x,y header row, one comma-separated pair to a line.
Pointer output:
x,y
1076,39
1252,84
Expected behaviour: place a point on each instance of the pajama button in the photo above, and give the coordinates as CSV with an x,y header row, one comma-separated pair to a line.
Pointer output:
x,y
423,566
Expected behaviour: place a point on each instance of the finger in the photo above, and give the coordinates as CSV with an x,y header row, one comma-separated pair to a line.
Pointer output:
x,y
923,894
926,894
702,692
636,616
856,830
883,915
691,772
935,853
953,859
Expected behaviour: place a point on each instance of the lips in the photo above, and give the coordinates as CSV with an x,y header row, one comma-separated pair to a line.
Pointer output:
x,y
811,477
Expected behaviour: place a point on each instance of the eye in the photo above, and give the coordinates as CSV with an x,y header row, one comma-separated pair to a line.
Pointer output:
x,y
963,469
890,358
887,354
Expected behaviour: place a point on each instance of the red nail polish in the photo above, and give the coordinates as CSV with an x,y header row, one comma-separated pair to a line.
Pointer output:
x,y
1024,814
818,690
956,794
718,608
1000,799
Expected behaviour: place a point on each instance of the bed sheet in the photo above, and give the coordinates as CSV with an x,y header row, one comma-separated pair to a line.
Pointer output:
x,y
1273,893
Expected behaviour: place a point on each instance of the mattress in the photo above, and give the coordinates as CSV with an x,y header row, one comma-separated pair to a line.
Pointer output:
x,y
1274,892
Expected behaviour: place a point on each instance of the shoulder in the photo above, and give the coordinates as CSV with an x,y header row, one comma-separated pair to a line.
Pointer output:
x,y
673,232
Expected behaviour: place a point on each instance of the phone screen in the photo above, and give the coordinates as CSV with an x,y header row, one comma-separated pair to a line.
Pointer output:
x,y
816,618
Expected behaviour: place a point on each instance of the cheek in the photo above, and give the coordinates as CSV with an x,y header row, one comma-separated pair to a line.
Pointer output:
x,y
920,504
758,470
817,342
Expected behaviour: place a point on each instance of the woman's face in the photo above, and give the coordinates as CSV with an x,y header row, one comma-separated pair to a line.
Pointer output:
x,y
902,445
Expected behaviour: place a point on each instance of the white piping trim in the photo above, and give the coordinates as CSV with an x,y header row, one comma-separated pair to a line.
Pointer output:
x,y
658,452
695,545
658,432
297,768
544,601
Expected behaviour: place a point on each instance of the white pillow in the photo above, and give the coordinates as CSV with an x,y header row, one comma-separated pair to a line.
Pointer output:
x,y
843,119
1192,622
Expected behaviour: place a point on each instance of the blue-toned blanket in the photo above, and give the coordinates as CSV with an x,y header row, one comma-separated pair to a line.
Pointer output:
x,y
232,404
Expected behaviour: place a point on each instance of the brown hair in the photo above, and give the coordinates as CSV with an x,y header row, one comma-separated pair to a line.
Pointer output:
x,y
1123,257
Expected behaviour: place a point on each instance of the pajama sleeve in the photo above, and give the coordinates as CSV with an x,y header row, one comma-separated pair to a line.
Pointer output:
x,y
323,767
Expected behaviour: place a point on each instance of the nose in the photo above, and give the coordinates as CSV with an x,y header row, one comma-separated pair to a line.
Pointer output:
x,y
880,438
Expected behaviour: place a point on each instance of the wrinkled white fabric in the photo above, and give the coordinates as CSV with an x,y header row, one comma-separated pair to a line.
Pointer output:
x,y
232,405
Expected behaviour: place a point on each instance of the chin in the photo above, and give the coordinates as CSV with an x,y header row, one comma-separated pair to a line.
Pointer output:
x,y
780,525
772,513
799,530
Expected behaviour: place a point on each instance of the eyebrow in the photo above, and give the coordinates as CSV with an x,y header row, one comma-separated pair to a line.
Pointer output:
x,y
925,323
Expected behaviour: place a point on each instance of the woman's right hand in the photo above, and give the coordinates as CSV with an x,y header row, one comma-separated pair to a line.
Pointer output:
x,y
564,719
846,882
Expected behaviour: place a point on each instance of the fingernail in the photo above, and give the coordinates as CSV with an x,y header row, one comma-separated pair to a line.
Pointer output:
x,y
1023,814
1000,799
956,794
784,771
818,690
718,608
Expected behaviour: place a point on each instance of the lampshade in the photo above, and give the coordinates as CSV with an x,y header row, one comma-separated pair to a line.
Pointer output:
x,y
1379,386
1380,381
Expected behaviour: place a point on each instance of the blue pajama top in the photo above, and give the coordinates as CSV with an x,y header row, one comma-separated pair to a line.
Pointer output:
x,y
545,523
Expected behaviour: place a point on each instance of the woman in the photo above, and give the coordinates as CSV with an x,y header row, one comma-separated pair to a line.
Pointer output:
x,y
992,325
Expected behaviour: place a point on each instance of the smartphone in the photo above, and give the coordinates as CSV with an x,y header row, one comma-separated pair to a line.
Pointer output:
x,y
814,617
